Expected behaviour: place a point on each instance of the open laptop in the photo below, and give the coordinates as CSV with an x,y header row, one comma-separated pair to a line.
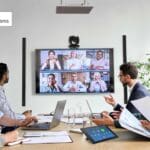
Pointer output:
x,y
89,107
55,121
93,115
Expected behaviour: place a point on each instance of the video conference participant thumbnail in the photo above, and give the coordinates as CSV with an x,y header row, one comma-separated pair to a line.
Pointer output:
x,y
74,85
51,62
73,62
99,62
97,84
50,83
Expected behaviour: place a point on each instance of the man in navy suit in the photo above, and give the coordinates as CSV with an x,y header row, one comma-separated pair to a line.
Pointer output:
x,y
128,77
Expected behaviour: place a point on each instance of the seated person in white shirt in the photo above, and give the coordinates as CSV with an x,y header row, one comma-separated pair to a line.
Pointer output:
x,y
97,85
99,62
73,62
4,105
74,85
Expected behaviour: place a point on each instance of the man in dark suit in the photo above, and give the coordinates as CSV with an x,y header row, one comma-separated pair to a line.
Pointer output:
x,y
128,77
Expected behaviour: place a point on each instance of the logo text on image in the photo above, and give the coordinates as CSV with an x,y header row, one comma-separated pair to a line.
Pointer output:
x,y
5,18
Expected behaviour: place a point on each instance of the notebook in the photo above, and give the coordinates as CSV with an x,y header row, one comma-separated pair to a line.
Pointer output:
x,y
55,121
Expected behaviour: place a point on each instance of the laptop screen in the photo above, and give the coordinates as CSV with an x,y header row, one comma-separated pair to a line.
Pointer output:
x,y
58,113
89,107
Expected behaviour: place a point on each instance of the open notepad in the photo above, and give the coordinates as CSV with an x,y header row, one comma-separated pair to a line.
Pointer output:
x,y
130,122
47,137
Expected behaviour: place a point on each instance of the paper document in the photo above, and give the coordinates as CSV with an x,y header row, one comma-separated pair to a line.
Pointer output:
x,y
130,122
44,133
47,137
143,106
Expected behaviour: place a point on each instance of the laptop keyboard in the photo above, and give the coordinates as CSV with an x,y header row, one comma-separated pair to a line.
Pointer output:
x,y
45,125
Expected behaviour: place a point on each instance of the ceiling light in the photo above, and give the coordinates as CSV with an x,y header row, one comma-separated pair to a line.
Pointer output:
x,y
78,8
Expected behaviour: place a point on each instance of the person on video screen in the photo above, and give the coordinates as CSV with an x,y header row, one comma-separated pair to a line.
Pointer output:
x,y
52,86
51,62
99,62
73,62
97,85
74,85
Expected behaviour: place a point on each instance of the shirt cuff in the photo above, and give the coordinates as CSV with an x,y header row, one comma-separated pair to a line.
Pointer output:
x,y
1,114
115,106
20,117
2,141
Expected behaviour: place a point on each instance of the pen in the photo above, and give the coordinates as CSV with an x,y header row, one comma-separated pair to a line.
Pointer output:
x,y
18,142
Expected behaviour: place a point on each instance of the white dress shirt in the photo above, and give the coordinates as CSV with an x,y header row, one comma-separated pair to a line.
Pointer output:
x,y
130,90
73,64
5,107
77,85
98,86
1,114
101,63
2,141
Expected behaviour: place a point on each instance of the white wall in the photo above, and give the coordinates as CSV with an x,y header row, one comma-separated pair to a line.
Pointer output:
x,y
103,27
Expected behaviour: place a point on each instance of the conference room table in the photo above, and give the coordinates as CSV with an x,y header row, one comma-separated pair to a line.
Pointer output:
x,y
126,141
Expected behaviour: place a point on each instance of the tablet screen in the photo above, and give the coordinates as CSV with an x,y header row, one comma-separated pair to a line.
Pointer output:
x,y
98,133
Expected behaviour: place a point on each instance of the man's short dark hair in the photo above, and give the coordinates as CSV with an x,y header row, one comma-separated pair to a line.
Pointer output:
x,y
3,69
100,51
51,74
51,51
129,69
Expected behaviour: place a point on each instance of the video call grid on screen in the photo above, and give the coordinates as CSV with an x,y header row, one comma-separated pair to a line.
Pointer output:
x,y
86,70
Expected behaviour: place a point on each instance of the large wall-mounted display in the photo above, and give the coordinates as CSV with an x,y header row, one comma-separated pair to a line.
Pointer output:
x,y
86,70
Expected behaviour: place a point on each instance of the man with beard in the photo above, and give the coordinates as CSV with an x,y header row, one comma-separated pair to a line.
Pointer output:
x,y
10,118
128,77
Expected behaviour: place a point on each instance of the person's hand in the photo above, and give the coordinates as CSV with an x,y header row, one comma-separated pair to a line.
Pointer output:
x,y
145,124
115,114
54,61
10,137
91,67
110,100
104,112
99,67
27,121
27,113
73,89
72,65
106,120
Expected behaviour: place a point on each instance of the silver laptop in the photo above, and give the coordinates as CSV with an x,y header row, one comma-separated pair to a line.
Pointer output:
x,y
94,115
89,108
55,121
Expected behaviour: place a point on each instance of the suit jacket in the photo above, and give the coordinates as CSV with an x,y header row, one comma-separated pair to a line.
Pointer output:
x,y
138,91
